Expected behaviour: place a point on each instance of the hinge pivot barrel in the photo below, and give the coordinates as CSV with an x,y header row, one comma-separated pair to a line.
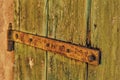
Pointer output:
x,y
9,37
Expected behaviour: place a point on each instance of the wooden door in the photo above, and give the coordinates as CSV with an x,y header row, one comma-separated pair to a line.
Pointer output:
x,y
91,23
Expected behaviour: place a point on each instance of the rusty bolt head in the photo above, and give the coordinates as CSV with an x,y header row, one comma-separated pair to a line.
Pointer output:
x,y
91,58
16,36
68,50
30,40
48,44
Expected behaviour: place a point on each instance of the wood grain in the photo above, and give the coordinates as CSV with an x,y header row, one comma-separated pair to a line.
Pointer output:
x,y
16,26
29,61
67,22
105,34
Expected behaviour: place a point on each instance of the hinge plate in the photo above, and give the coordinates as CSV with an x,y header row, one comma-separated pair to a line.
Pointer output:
x,y
73,51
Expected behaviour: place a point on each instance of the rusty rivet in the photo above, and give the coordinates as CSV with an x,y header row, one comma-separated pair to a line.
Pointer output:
x,y
16,36
62,48
47,45
30,40
68,50
91,58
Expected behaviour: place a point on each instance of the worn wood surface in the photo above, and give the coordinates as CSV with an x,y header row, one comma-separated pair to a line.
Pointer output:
x,y
16,26
92,23
61,16
67,22
29,61
105,34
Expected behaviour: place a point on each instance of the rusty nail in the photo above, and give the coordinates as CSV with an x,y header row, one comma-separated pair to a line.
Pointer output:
x,y
68,50
30,39
16,36
91,58
47,45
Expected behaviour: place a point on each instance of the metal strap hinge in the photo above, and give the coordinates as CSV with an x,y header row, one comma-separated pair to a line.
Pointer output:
x,y
73,51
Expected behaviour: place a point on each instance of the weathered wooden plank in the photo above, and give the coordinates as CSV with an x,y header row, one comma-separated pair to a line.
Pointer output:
x,y
67,21
30,62
21,49
16,26
40,29
29,57
105,34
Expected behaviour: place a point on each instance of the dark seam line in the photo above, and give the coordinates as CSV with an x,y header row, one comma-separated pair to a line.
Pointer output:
x,y
19,7
88,42
47,16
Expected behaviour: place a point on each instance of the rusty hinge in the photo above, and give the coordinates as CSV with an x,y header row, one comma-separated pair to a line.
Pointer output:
x,y
73,51
9,37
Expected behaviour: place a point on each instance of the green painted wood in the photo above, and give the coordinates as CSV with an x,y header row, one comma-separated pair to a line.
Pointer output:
x,y
29,61
40,29
17,26
105,34
67,21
